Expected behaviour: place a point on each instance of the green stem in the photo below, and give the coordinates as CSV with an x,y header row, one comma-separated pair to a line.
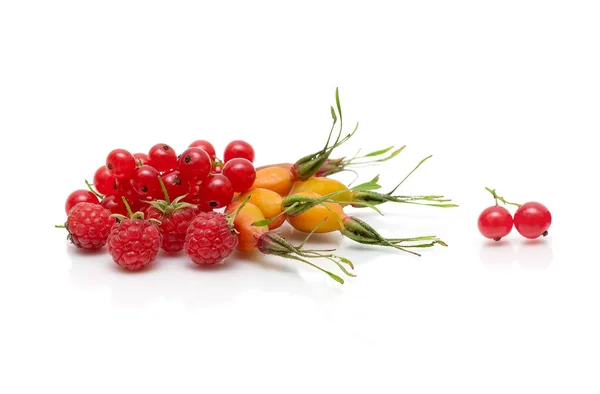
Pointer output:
x,y
129,211
409,174
164,190
89,185
502,199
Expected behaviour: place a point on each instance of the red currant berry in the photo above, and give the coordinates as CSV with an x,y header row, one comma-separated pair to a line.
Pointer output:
x,y
104,182
141,159
495,222
175,185
194,165
114,204
145,183
532,220
216,191
162,157
79,196
120,163
241,174
205,146
238,148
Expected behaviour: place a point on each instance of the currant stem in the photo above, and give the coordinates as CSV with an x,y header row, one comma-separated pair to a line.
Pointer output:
x,y
498,198
90,186
164,190
129,211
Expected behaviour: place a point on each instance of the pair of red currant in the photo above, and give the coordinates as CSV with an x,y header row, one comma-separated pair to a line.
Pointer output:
x,y
532,219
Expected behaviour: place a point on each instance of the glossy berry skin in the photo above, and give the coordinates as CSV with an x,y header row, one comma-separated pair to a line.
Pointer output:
x,y
216,191
145,183
162,157
209,239
120,163
241,174
194,197
80,196
134,243
89,225
194,165
141,159
104,182
173,226
175,185
532,220
206,146
495,222
114,204
238,148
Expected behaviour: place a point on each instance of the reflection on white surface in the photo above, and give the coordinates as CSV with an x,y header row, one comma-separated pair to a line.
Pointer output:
x,y
535,255
498,255
175,278
530,255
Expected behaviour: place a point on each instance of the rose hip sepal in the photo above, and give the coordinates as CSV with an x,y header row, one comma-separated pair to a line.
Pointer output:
x,y
310,164
88,225
134,242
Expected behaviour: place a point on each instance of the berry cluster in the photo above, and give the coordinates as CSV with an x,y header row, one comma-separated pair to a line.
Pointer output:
x,y
167,192
532,219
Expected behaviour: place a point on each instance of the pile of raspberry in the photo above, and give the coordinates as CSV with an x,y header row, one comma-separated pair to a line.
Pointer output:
x,y
139,203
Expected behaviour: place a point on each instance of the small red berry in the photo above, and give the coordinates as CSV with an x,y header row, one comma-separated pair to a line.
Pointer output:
x,y
141,159
145,183
532,220
134,243
495,222
209,239
120,163
104,182
88,225
162,157
175,185
80,196
238,148
241,173
114,203
216,191
194,165
206,146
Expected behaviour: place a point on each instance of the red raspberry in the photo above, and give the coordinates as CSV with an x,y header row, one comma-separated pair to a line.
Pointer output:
x,y
88,225
174,224
209,239
134,243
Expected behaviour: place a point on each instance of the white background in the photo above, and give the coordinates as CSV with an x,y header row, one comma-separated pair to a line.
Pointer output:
x,y
503,94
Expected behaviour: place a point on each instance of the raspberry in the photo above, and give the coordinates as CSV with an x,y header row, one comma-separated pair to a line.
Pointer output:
x,y
174,225
134,243
209,239
88,225
174,217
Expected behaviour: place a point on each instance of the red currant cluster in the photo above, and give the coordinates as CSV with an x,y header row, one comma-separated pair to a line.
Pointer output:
x,y
167,192
197,173
532,219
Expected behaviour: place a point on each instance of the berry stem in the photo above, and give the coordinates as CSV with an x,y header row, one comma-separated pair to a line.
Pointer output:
x,y
164,190
129,211
90,186
499,198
